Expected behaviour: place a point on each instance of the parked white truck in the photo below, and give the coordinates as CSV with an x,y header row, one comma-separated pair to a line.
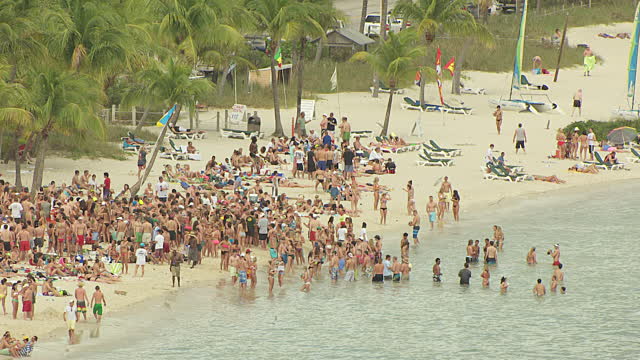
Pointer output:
x,y
372,24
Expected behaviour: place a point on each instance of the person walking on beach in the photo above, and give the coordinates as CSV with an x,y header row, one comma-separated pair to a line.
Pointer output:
x,y
69,317
431,211
142,160
81,301
520,138
465,274
97,302
141,260
498,115
589,61
591,140
539,289
174,267
577,102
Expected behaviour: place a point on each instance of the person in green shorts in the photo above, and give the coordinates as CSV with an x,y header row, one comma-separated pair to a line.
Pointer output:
x,y
97,301
345,128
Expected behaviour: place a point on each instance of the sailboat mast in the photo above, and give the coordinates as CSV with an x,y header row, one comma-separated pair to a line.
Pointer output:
x,y
633,58
517,61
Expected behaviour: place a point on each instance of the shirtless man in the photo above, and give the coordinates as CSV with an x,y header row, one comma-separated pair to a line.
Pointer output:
x,y
147,228
539,289
24,239
395,268
437,274
241,267
350,267
81,301
97,303
431,211
81,231
410,197
415,223
557,272
555,254
334,267
172,228
491,254
447,189
378,270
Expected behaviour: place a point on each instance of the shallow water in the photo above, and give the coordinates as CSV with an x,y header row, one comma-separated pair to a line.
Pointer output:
x,y
598,318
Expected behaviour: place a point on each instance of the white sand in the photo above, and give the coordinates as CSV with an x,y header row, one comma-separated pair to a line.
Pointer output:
x,y
603,91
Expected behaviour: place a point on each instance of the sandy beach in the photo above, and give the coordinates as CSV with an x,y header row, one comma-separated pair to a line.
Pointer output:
x,y
603,91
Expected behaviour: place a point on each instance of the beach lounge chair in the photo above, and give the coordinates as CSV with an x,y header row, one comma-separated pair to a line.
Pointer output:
x,y
513,172
410,104
472,91
240,134
601,164
432,151
385,89
524,82
361,133
635,156
451,152
129,146
516,168
188,135
133,137
500,175
426,160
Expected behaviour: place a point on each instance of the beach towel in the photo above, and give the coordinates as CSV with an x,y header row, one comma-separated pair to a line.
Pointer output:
x,y
589,62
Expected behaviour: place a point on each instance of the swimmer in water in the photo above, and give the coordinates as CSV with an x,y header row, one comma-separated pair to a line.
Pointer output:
x,y
504,285
555,254
539,289
531,256
306,280
485,276
437,274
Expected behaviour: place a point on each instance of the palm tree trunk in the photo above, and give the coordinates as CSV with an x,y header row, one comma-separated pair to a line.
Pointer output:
x,y
38,171
457,72
16,155
191,118
300,78
138,185
145,115
383,19
1,140
319,51
223,80
363,15
274,90
376,85
387,116
538,6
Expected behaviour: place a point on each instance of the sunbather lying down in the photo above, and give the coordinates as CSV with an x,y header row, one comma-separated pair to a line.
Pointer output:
x,y
181,130
581,168
551,179
624,35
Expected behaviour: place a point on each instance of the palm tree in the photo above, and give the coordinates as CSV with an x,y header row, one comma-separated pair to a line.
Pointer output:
x,y
89,35
63,101
19,36
12,115
278,19
394,60
170,85
440,16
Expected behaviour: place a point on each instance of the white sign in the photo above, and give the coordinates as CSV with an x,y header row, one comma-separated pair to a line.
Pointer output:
x,y
238,114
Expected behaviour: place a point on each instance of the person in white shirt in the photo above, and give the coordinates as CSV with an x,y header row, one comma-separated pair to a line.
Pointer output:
x,y
342,233
16,210
159,239
488,158
376,154
591,141
141,259
363,232
69,316
162,189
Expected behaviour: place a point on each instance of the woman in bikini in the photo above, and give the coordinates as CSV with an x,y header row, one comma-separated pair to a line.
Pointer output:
x,y
383,208
271,273
442,205
498,236
455,206
15,293
485,276
3,295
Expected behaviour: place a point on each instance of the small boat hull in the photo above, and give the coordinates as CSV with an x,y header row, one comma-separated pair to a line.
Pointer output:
x,y
510,105
627,114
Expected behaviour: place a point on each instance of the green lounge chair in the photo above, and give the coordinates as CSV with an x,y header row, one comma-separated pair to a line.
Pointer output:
x,y
452,152
425,159
500,175
432,151
601,164
635,158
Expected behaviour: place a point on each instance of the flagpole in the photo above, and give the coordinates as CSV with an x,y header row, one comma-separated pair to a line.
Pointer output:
x,y
284,88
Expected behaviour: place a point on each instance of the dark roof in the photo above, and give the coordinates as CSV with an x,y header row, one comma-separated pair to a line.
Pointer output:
x,y
353,36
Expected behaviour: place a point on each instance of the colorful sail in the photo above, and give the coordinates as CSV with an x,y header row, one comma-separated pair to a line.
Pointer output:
x,y
633,58
163,120
517,63
439,74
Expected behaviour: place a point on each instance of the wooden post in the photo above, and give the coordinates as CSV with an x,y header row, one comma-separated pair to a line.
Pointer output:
x,y
226,118
113,113
133,115
564,37
218,120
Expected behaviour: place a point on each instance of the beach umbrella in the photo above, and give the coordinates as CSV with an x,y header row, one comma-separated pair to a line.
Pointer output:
x,y
622,135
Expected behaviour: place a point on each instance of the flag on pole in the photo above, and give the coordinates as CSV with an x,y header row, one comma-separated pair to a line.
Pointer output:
x,y
334,79
163,120
418,78
278,57
451,65
439,74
